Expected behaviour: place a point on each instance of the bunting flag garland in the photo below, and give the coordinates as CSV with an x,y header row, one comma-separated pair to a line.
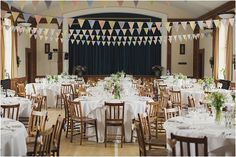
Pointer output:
x,y
26,16
217,23
209,23
200,24
91,23
131,25
176,26
121,24
101,23
48,3
112,24
49,19
135,3
15,15
37,18
192,24
59,20
158,25
90,2
184,25
9,2
70,21
81,22
149,25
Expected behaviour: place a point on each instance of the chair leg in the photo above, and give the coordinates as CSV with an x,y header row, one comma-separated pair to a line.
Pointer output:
x,y
123,135
72,130
81,132
105,136
96,131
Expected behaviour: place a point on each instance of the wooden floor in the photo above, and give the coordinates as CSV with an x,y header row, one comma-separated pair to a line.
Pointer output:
x,y
89,148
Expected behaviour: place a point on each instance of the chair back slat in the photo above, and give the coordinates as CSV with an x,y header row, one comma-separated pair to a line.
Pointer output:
x,y
10,111
145,124
188,141
43,142
141,139
175,97
67,89
57,131
171,112
20,89
39,102
37,122
114,111
153,108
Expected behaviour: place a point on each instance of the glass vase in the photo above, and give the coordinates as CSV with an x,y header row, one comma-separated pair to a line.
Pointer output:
x,y
218,117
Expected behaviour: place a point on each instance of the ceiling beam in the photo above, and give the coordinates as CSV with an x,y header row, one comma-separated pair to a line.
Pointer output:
x,y
221,9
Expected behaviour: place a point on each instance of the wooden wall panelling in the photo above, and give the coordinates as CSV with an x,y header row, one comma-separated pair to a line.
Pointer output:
x,y
168,54
60,57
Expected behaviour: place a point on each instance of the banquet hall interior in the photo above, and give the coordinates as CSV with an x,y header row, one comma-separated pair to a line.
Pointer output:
x,y
117,78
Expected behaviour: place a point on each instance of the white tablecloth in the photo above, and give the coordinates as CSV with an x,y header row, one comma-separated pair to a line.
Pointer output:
x,y
94,107
25,105
13,138
221,141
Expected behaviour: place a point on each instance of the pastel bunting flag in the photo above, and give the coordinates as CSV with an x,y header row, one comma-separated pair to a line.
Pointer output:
x,y
103,37
84,31
46,31
130,38
209,23
71,31
170,38
15,15
146,30
59,20
112,24
3,13
90,2
110,31
70,21
83,41
117,31
150,42
48,3
75,36
131,31
184,25
101,23
135,38
35,36
185,37
81,36
91,23
149,24
135,3
131,24
224,21
124,31
175,37
200,24
192,24
77,41
103,31
26,16
217,23
97,31
167,26
121,24
158,25
34,30
109,38
72,41
176,26
125,38
49,19
37,18
140,24
154,30
180,38
90,31
81,22
93,42
78,31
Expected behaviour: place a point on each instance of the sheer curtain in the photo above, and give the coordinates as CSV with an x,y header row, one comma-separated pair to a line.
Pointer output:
x,y
2,54
14,58
229,53
216,53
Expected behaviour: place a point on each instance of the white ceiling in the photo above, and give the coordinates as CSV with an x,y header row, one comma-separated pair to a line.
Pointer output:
x,y
174,9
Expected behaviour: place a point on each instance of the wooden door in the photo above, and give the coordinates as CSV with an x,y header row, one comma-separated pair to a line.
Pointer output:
x,y
28,65
200,63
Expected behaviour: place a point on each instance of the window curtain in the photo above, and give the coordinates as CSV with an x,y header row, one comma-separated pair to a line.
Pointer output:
x,y
14,58
229,53
2,65
216,53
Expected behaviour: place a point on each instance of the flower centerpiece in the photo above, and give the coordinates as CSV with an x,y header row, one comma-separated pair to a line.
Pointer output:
x,y
52,78
208,83
113,85
157,70
180,76
216,100
79,70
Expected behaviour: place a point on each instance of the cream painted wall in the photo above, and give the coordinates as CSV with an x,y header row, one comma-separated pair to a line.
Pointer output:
x,y
186,69
23,41
206,43
45,66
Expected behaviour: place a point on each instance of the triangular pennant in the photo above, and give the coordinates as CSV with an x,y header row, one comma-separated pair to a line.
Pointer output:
x,y
124,43
119,37
176,26
93,42
135,38
150,42
77,41
184,25
98,42
75,36
124,31
168,28
121,24
109,38
154,30
114,37
192,24
83,41
175,37
81,22
77,31
149,24
91,23
46,31
103,31
26,16
71,31
140,42
59,20
49,19
131,24
84,31
158,25
70,21
112,24
86,37
135,3
15,15
110,31
134,42
200,24
3,13
81,36
101,23
37,18
146,30
185,37
180,38
209,23
130,38
48,3
131,31
140,24
117,31
113,43
90,2
189,36
72,41
217,23
108,43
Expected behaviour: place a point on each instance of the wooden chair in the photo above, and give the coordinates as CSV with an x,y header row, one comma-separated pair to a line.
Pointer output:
x,y
171,112
39,102
42,144
10,111
114,117
20,89
142,146
149,139
67,98
175,97
191,101
37,122
57,135
163,89
188,140
77,117
65,89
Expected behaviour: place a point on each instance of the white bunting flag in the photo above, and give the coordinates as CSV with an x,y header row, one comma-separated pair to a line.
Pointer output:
x,y
170,38
71,31
154,30
109,38
217,23
146,38
119,38
176,26
97,31
59,21
231,21
77,31
75,36
81,22
90,31
91,23
121,24
185,37
139,42
77,41
209,23
72,41
103,37
150,42
46,31
146,30
52,31
184,25
83,41
140,24
114,38
180,38
200,24
131,31
135,38
124,31
130,38
84,31
131,24
149,24
125,38
117,31
192,24
81,36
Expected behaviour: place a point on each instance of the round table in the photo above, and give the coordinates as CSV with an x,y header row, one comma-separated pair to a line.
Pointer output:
x,y
25,105
93,107
221,141
13,138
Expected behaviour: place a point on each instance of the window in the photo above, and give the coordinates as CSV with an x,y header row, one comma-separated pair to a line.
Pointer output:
x,y
8,46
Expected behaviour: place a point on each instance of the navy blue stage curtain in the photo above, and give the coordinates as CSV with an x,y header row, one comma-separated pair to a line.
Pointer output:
x,y
101,60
